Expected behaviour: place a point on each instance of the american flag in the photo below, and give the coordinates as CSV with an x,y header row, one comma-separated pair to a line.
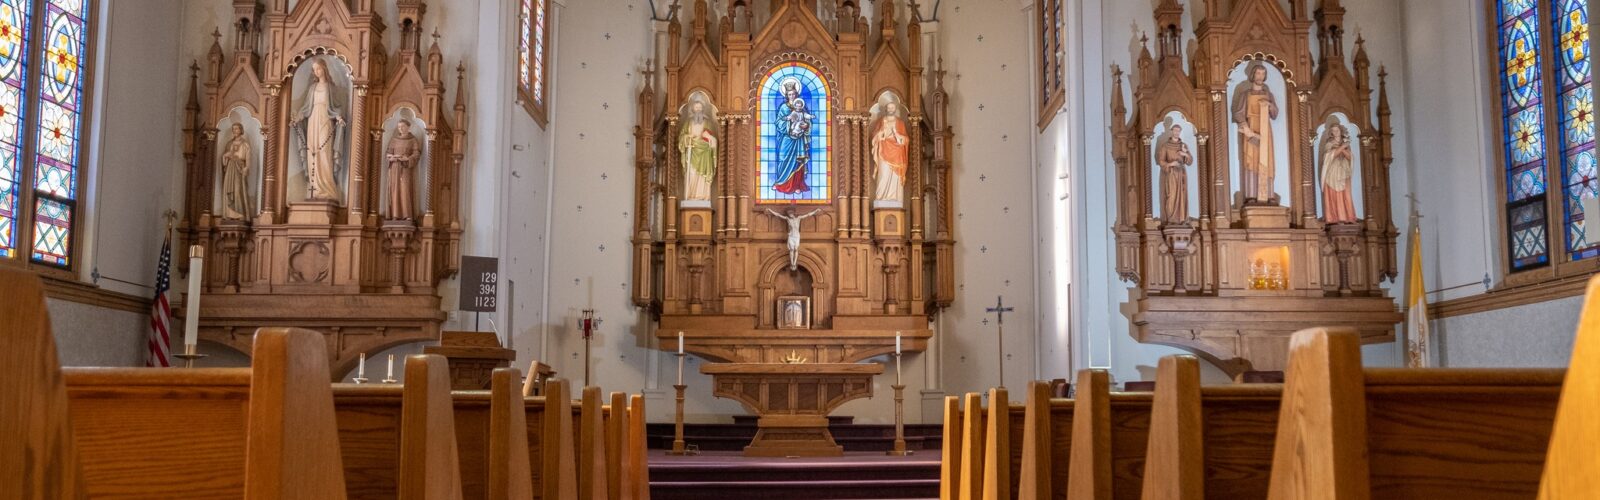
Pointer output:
x,y
161,311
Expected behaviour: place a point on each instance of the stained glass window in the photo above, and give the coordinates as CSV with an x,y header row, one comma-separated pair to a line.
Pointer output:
x,y
532,41
1521,88
43,55
1571,27
793,118
15,19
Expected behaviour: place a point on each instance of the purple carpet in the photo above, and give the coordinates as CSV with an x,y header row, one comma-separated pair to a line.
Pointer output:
x,y
730,475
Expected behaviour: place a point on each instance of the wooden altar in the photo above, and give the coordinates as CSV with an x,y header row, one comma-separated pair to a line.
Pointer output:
x,y
793,205
1254,184
312,230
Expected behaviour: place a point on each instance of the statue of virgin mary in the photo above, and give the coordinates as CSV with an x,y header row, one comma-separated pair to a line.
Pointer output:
x,y
320,127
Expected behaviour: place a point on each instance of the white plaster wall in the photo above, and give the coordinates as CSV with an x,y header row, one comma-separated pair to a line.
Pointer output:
x,y
89,335
1108,33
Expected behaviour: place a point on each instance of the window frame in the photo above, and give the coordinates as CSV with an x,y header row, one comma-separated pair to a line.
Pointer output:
x,y
27,175
1050,39
1559,265
536,104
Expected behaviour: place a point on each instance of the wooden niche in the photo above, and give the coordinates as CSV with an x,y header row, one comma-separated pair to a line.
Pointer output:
x,y
1254,184
291,139
859,158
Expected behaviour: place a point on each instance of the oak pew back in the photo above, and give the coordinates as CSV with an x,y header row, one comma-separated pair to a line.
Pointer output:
x,y
1345,432
557,462
510,458
950,455
1046,445
1002,454
1209,441
592,463
636,471
974,426
39,460
398,441
265,432
1572,468
1109,435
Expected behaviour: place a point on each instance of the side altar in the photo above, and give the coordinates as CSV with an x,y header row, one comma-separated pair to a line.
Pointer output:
x,y
793,204
321,173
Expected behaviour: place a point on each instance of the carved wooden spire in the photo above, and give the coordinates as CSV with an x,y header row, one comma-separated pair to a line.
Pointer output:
x,y
886,22
1169,28
701,16
214,66
1363,84
435,60
1330,21
411,12
1119,110
246,25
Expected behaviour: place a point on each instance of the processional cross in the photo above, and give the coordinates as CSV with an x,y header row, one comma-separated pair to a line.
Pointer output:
x,y
1000,311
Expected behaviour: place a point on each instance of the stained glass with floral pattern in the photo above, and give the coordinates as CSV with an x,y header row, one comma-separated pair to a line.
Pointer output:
x,y
15,20
1570,24
1522,91
60,128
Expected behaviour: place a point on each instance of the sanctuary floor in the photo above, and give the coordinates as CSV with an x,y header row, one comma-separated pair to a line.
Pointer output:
x,y
731,475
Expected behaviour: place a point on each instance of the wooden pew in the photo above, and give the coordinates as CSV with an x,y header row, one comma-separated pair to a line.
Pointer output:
x,y
1345,432
557,462
1002,453
265,432
39,461
510,459
592,463
950,455
636,473
1109,435
1572,468
974,425
1046,444
1212,441
398,441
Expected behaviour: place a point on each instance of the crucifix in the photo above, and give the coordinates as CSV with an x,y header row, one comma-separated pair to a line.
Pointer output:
x,y
1000,311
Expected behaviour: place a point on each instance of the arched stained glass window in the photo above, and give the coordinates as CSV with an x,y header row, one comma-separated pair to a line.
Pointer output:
x,y
15,20
60,127
533,42
1548,136
1520,83
1571,27
794,120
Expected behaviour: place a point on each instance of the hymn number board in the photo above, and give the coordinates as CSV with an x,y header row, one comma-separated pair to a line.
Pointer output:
x,y
480,278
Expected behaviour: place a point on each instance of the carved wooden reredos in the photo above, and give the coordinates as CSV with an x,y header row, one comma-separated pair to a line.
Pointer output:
x,y
1231,275
337,262
717,266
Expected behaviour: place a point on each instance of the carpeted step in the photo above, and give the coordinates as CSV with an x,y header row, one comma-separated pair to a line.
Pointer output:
x,y
795,490
737,472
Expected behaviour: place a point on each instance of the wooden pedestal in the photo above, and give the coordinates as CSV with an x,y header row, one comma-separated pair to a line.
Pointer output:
x,y
793,401
473,356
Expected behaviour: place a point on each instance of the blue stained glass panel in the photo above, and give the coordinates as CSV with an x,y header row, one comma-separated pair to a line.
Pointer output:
x,y
1570,24
1529,244
60,121
1518,28
794,105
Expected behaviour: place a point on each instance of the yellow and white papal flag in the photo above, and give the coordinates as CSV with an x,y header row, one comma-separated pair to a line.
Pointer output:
x,y
1418,351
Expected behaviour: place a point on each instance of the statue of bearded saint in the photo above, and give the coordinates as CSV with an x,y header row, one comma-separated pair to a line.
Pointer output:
x,y
889,153
401,156
1254,108
1174,159
697,146
320,126
236,175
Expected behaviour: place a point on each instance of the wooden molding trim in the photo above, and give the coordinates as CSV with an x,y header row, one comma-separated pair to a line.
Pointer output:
x,y
1510,297
84,293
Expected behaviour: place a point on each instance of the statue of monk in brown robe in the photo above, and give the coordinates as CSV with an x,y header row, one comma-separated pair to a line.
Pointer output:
x,y
401,157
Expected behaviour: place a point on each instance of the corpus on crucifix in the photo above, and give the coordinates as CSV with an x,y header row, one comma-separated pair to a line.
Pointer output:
x,y
1000,311
794,232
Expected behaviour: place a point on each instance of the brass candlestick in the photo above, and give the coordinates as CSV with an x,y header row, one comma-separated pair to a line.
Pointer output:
x,y
190,354
678,447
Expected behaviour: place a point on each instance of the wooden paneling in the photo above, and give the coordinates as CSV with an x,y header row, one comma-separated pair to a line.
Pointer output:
x,y
39,461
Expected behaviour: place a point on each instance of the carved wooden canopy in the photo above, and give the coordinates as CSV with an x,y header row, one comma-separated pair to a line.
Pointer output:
x,y
1249,210
364,277
873,258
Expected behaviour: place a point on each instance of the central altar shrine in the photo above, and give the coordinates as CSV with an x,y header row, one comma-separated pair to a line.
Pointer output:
x,y
793,209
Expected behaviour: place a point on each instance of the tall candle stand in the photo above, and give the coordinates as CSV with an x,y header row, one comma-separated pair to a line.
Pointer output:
x,y
899,449
588,323
190,354
678,446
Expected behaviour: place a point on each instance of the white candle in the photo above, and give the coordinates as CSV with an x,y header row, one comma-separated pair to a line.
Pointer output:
x,y
191,319
897,343
680,343
680,370
389,375
361,369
